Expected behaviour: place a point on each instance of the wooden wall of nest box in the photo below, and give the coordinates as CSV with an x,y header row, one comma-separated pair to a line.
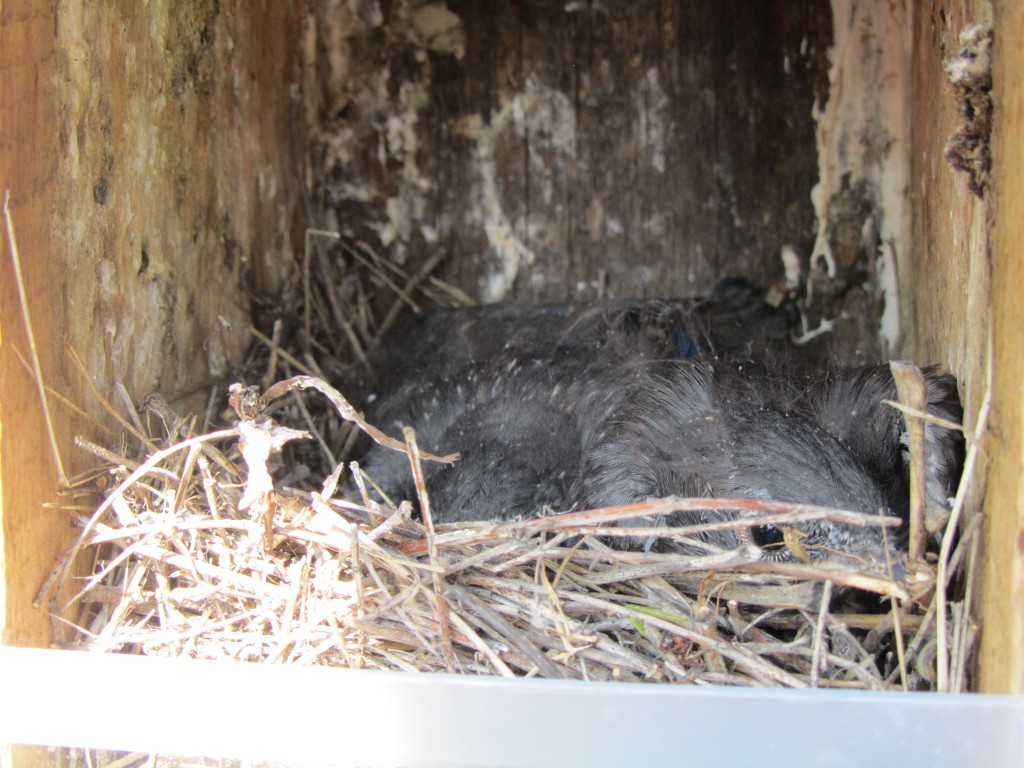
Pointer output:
x,y
153,158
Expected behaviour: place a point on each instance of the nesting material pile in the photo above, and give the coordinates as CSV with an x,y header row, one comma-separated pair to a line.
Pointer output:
x,y
206,545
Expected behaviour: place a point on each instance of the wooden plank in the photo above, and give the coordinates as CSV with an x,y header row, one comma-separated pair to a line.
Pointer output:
x,y
662,144
945,284
29,536
1002,640
147,149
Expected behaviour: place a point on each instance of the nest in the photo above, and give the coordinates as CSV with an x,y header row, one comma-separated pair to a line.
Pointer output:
x,y
237,543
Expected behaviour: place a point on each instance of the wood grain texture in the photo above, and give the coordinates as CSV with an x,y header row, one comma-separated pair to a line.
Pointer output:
x,y
1002,639
147,151
656,146
29,157
946,288
947,280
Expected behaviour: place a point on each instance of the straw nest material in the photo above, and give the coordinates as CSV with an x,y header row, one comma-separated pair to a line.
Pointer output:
x,y
236,542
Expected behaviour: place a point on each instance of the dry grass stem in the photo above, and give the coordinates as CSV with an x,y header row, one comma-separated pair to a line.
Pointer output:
x,y
913,393
37,371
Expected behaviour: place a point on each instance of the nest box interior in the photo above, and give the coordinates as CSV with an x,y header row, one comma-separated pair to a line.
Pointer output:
x,y
164,163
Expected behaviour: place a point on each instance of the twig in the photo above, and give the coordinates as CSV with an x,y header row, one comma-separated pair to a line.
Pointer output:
x,y
65,401
275,341
347,412
392,314
107,406
428,523
913,393
600,521
942,578
292,360
306,286
819,631
930,418
354,253
754,665
503,629
826,571
12,244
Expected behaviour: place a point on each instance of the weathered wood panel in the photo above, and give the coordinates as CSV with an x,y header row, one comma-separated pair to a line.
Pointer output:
x,y
947,293
947,279
145,147
556,150
1002,648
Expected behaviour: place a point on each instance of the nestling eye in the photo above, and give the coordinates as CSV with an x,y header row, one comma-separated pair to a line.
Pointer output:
x,y
768,536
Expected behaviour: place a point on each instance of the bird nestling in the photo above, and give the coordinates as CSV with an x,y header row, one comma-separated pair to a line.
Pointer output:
x,y
576,407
